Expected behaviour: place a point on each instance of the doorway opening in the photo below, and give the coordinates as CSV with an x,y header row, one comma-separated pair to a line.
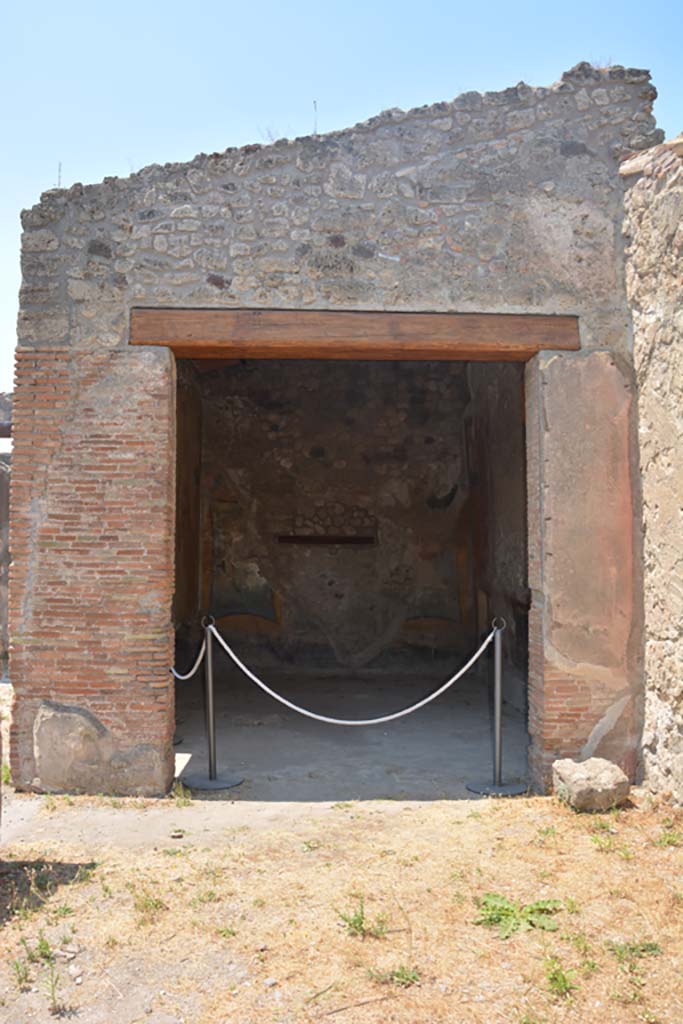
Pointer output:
x,y
353,526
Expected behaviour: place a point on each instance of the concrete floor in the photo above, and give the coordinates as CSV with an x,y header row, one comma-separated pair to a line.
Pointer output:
x,y
282,756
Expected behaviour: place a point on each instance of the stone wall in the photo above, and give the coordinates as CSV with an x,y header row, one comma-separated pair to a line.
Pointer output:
x,y
502,202
4,561
654,230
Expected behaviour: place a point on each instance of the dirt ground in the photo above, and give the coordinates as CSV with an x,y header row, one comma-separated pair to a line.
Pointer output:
x,y
358,912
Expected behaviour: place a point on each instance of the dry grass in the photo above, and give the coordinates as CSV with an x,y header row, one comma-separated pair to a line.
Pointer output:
x,y
257,930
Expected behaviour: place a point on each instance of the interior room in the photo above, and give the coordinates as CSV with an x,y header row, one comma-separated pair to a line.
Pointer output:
x,y
353,527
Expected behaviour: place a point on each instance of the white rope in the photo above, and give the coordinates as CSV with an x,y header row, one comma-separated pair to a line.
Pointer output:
x,y
344,721
200,656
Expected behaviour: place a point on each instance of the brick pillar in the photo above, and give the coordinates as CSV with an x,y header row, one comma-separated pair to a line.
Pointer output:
x,y
584,627
92,520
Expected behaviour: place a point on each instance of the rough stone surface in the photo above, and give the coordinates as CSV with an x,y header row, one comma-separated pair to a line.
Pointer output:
x,y
592,785
501,202
75,753
584,657
5,414
654,230
4,562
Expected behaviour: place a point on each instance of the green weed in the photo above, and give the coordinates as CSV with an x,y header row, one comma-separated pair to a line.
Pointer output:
x,y
559,980
608,844
209,896
42,951
358,924
669,838
181,794
147,907
401,976
62,910
509,916
21,974
628,951
52,986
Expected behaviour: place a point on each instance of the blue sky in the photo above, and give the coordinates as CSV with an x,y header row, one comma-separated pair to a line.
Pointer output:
x,y
104,88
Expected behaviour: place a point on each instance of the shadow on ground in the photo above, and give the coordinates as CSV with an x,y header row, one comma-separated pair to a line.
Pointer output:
x,y
25,885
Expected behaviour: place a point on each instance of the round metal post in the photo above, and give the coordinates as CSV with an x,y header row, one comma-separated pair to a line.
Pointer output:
x,y
497,787
214,781
497,707
210,708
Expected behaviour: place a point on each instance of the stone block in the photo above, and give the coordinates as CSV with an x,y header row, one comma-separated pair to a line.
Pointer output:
x,y
592,785
75,753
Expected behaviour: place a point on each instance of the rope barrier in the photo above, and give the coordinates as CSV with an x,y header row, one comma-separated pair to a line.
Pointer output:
x,y
200,658
346,721
215,781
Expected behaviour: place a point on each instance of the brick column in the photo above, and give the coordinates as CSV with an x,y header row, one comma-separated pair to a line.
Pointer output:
x,y
92,521
585,625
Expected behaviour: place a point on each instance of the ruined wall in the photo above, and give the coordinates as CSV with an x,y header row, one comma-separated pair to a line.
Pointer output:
x,y
367,458
4,561
654,230
502,202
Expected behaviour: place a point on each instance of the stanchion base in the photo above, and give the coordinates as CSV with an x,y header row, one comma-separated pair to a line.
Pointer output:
x,y
490,789
203,782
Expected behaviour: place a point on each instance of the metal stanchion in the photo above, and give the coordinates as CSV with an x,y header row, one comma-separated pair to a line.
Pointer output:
x,y
197,780
497,787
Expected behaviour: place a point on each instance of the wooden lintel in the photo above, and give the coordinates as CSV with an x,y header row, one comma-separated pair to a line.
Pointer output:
x,y
323,334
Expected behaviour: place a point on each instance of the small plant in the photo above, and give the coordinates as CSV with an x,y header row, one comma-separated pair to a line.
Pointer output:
x,y
6,774
559,980
358,924
62,910
629,951
509,916
209,896
147,906
401,976
604,843
41,951
311,844
549,832
52,986
669,837
608,844
21,974
570,905
600,825
579,942
181,794
84,873
226,933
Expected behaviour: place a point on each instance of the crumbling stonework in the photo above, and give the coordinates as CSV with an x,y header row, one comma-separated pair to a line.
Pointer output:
x,y
654,230
502,202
